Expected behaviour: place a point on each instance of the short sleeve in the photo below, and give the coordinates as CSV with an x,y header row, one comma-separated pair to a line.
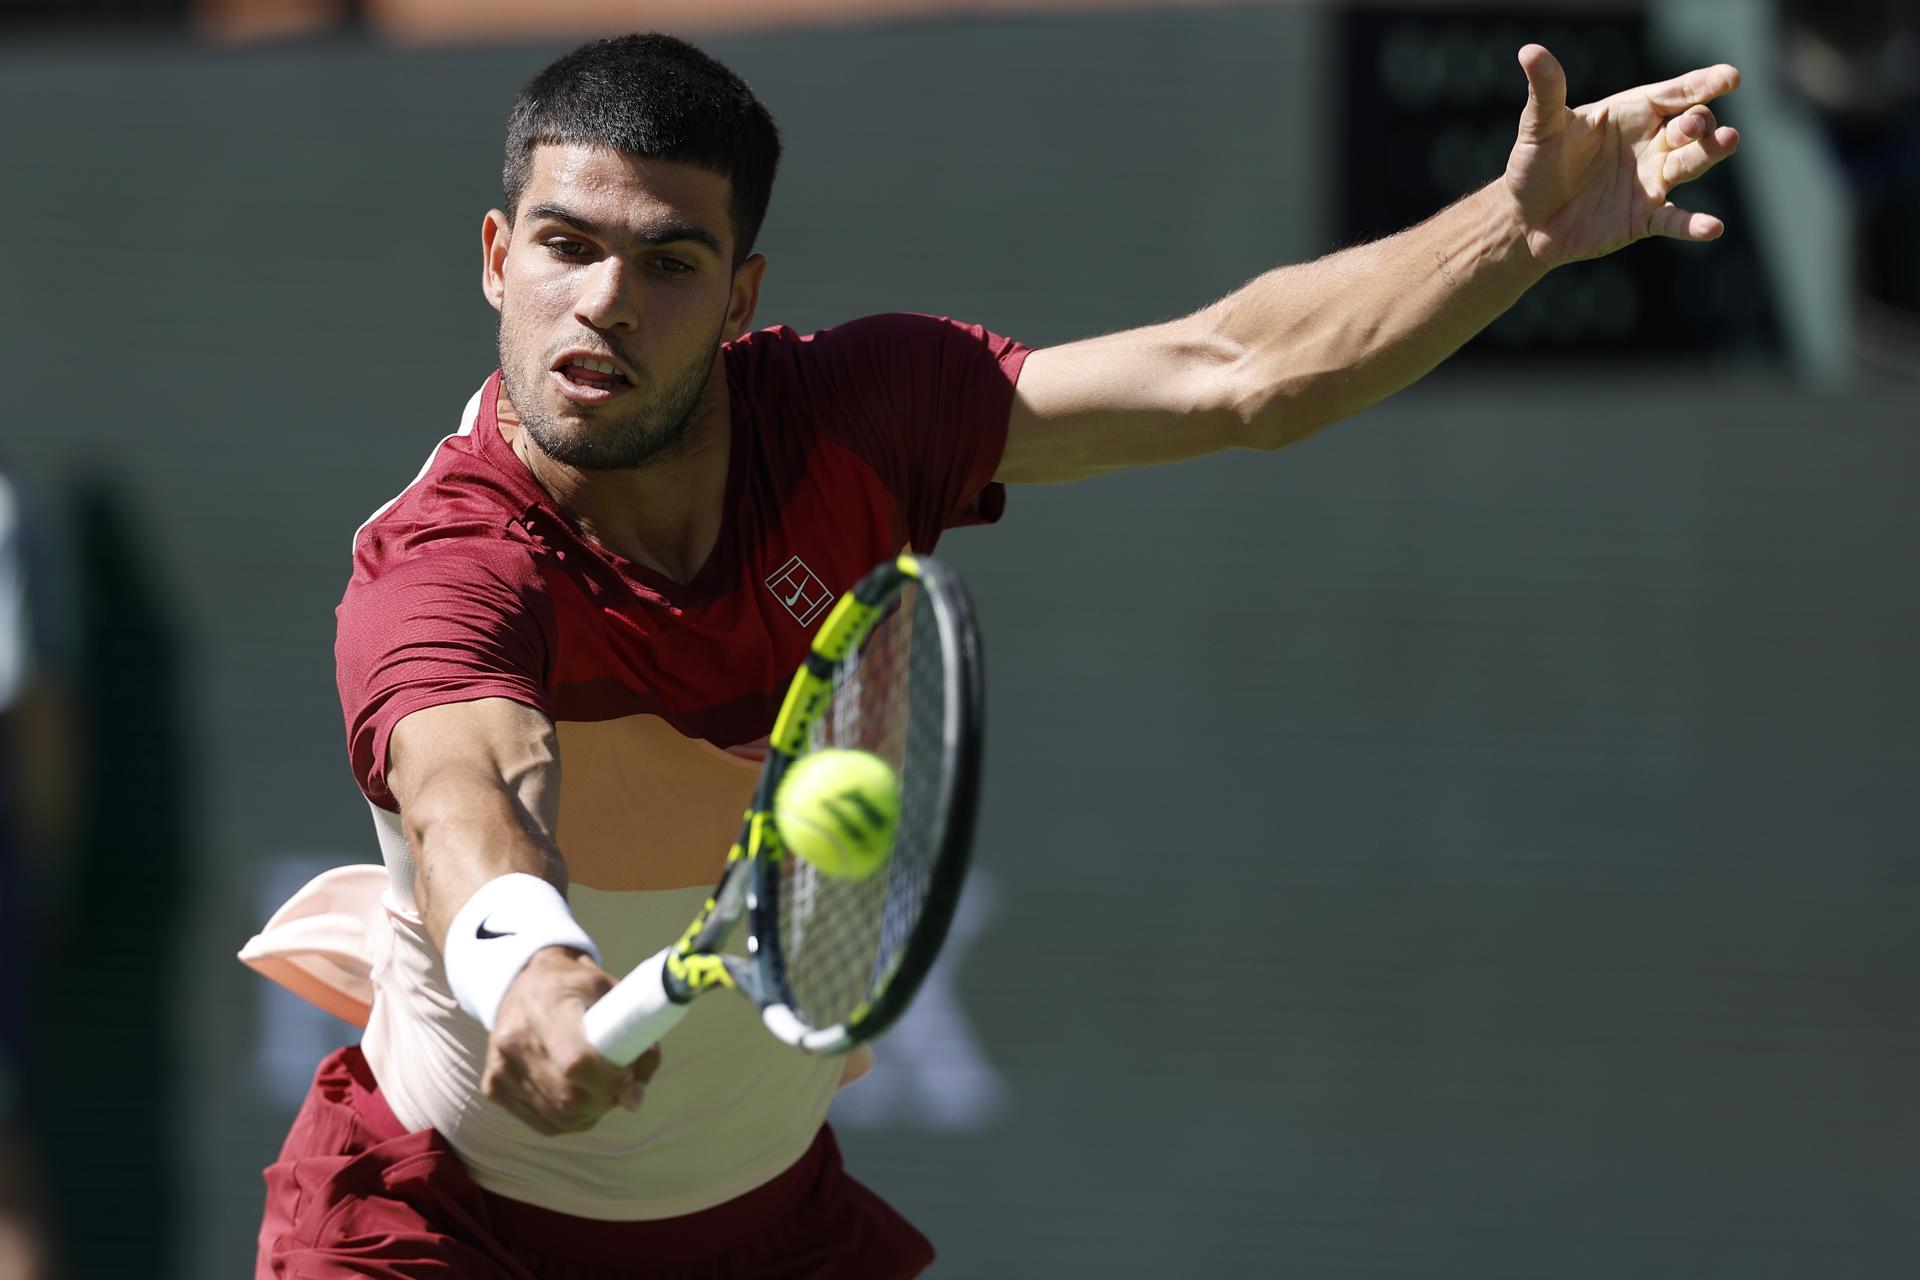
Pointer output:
x,y
467,619
924,400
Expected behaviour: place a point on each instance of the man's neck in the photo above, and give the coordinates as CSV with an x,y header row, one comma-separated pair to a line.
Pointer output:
x,y
664,516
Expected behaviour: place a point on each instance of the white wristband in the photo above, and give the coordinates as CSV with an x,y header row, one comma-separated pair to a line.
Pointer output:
x,y
496,933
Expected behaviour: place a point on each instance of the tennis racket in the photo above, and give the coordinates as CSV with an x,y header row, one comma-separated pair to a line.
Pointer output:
x,y
894,670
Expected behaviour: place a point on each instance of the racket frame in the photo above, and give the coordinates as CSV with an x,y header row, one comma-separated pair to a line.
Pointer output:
x,y
650,1001
961,725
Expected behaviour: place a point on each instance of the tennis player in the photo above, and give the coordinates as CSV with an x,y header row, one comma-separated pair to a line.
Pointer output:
x,y
562,645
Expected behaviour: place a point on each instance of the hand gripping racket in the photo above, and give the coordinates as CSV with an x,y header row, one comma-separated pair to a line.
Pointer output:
x,y
894,670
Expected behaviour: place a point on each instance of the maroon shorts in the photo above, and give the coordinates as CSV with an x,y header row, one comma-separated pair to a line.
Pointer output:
x,y
355,1194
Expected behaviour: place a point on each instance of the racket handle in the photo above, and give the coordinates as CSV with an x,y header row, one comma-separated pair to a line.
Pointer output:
x,y
635,1015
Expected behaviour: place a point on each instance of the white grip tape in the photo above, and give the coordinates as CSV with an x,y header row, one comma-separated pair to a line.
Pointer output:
x,y
506,921
636,1014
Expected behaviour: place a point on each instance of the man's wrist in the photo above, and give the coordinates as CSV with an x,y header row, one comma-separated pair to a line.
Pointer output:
x,y
506,922
1516,243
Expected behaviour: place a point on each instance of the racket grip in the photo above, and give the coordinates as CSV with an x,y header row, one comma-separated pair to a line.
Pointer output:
x,y
635,1015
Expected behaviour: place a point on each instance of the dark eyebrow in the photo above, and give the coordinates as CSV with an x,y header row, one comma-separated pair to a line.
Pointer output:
x,y
668,231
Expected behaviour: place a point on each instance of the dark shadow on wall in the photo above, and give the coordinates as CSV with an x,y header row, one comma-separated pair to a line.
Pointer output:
x,y
104,1093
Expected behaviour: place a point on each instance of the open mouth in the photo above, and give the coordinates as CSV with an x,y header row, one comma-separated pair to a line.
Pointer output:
x,y
589,380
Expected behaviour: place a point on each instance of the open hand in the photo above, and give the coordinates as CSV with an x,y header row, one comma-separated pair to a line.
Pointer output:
x,y
1593,179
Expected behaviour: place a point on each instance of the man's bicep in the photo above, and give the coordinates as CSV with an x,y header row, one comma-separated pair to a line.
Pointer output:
x,y
1130,399
496,740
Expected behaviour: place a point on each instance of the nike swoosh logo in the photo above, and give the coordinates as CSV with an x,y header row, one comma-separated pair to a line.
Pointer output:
x,y
796,594
482,932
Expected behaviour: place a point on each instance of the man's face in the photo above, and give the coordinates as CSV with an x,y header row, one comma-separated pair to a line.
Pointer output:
x,y
614,260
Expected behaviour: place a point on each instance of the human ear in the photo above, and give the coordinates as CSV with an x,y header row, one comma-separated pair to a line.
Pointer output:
x,y
745,295
496,233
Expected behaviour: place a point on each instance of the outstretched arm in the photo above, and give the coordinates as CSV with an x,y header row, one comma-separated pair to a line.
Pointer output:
x,y
479,790
1307,345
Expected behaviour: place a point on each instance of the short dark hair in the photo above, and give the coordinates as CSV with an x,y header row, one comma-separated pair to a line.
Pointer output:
x,y
650,95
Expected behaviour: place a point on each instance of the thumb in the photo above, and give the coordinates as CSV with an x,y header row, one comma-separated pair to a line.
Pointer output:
x,y
1546,92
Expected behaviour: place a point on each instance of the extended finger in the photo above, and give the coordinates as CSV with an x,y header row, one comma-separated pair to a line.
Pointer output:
x,y
1695,122
1674,96
1694,159
1676,223
1546,92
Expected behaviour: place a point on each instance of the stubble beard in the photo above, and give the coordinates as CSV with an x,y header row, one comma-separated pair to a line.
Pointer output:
x,y
656,431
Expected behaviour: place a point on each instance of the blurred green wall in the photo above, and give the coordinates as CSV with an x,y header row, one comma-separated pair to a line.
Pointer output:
x,y
1474,843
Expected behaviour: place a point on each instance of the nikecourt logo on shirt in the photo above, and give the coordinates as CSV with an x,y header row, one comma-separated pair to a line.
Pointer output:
x,y
800,590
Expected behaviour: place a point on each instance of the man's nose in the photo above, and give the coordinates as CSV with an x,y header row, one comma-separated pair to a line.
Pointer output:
x,y
607,299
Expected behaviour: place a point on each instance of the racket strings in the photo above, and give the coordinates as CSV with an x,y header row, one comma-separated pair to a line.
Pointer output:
x,y
843,940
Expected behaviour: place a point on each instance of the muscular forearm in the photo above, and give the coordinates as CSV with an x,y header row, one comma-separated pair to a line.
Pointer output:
x,y
465,829
1304,346
1318,342
479,791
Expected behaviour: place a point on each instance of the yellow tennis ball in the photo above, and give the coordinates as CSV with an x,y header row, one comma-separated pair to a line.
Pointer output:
x,y
839,809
